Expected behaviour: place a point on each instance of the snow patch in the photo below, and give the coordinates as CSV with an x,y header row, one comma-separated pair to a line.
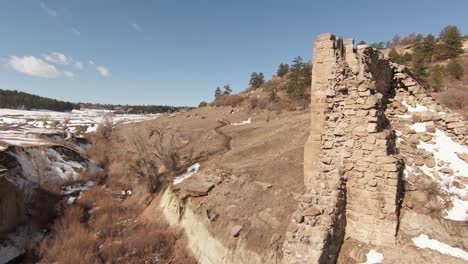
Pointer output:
x,y
459,211
190,171
405,116
248,121
374,257
418,127
423,241
418,108
77,188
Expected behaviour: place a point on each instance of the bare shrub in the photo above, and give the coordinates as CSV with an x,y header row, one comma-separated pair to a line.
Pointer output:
x,y
92,196
69,242
455,98
152,148
101,142
253,102
431,188
229,100
104,129
110,217
39,169
95,175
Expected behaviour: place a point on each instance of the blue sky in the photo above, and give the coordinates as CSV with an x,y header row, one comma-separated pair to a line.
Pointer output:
x,y
177,52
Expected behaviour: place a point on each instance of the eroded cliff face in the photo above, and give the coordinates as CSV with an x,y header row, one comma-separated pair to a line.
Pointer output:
x,y
356,160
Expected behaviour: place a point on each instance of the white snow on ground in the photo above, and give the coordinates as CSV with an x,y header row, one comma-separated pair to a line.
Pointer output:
x,y
20,127
445,150
248,121
418,108
190,171
18,242
405,116
374,257
459,211
78,188
423,241
419,127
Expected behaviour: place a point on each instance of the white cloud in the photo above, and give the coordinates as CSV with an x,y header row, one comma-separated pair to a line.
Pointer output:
x,y
103,71
76,31
78,65
32,66
56,57
70,75
91,62
51,12
136,27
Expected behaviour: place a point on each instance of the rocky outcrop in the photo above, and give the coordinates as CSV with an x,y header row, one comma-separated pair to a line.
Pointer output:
x,y
353,169
12,209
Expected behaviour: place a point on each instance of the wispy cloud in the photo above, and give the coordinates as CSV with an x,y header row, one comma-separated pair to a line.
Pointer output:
x,y
78,65
91,62
75,31
103,71
136,26
56,57
32,66
69,74
51,12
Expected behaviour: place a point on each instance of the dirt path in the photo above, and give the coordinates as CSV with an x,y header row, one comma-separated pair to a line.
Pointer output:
x,y
227,138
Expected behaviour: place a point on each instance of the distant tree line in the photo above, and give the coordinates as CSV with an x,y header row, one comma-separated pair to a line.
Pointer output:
x,y
21,100
427,51
135,109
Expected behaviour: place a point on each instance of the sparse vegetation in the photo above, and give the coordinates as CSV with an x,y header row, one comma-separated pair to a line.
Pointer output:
x,y
455,69
229,100
202,104
103,229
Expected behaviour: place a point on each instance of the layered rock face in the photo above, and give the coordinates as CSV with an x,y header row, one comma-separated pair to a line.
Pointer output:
x,y
353,169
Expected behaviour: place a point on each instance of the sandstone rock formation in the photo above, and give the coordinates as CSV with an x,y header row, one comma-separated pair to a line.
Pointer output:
x,y
353,165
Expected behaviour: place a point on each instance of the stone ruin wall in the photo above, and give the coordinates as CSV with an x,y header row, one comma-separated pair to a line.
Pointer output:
x,y
352,172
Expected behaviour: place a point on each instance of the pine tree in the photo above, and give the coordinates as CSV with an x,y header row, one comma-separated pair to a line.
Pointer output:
x,y
419,66
395,56
261,79
296,81
437,77
256,80
227,89
218,92
428,47
283,69
450,45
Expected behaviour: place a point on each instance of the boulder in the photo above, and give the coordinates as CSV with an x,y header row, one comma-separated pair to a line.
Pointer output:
x,y
235,230
194,188
312,211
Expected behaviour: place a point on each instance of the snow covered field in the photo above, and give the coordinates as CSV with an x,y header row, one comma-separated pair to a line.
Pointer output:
x,y
22,127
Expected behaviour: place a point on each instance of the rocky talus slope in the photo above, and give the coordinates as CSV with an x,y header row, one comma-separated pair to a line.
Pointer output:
x,y
385,166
